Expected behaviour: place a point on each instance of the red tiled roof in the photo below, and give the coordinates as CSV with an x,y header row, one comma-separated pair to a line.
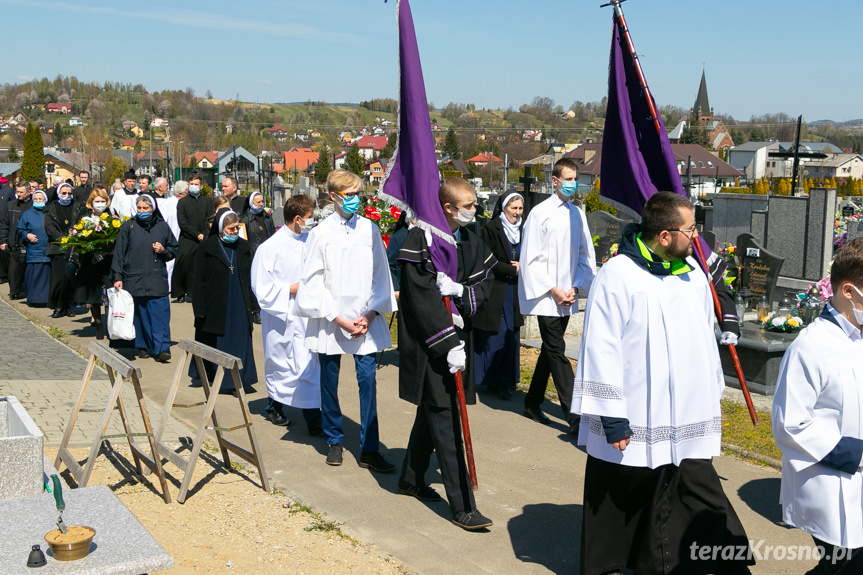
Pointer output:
x,y
485,157
277,129
300,158
376,143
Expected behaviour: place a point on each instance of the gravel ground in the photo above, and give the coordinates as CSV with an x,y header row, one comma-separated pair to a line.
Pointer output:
x,y
228,524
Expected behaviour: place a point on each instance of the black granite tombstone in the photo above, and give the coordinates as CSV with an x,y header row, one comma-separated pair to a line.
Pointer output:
x,y
759,268
606,231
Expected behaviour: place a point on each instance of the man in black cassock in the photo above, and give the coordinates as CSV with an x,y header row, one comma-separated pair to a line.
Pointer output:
x,y
193,214
432,349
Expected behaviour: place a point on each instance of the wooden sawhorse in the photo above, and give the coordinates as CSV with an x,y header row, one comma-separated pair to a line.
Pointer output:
x,y
223,361
114,363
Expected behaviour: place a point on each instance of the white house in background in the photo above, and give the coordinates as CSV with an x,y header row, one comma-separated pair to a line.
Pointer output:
x,y
753,159
76,121
159,123
842,167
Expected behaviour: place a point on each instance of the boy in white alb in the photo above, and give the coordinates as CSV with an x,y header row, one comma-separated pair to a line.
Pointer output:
x,y
292,371
818,422
345,291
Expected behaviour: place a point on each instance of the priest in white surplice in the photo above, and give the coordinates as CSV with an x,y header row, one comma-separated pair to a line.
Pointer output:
x,y
345,291
557,265
291,370
818,422
647,385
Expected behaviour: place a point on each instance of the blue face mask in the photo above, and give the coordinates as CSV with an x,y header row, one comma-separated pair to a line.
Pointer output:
x,y
144,216
351,205
195,190
230,239
568,189
64,200
256,211
38,205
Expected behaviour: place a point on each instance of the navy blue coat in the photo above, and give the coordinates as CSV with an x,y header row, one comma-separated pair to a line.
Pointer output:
x,y
143,272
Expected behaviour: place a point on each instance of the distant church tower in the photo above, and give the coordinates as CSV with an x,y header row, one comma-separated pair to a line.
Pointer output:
x,y
701,112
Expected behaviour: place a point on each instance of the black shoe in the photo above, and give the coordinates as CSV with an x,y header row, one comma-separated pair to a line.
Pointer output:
x,y
471,520
68,312
256,317
100,333
504,392
376,462
278,419
187,299
334,457
573,424
163,357
180,299
57,313
536,414
228,391
423,492
143,353
316,428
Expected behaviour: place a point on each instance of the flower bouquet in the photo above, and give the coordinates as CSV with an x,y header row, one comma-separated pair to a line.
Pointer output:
x,y
784,324
383,216
93,234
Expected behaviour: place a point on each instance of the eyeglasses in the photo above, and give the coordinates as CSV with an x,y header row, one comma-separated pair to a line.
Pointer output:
x,y
231,229
687,231
348,194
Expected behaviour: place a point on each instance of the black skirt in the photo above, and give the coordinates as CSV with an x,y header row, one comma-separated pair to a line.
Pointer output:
x,y
648,520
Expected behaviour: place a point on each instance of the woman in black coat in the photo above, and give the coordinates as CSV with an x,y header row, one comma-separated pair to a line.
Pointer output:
x,y
496,326
144,246
258,221
222,298
94,276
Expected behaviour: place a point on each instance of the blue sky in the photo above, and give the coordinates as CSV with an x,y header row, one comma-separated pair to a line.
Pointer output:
x,y
761,56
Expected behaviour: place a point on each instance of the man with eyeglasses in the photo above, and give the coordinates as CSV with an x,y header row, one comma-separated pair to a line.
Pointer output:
x,y
818,426
648,386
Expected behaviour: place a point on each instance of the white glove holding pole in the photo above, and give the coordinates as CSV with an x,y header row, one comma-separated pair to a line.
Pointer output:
x,y
447,287
728,338
456,358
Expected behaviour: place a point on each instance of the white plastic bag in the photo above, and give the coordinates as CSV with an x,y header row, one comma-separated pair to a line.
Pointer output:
x,y
121,314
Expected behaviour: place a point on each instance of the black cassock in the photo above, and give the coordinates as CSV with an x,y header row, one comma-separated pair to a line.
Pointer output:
x,y
426,335
193,214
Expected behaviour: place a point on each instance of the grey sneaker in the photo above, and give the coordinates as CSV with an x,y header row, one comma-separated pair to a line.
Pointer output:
x,y
471,520
334,457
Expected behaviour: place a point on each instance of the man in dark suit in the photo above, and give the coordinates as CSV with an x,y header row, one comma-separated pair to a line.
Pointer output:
x,y
82,192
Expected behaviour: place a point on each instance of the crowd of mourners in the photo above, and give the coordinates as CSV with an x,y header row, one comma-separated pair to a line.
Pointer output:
x,y
644,397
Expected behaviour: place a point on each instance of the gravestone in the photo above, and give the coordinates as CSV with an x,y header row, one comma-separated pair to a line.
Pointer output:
x,y
759,268
855,230
608,229
800,230
732,215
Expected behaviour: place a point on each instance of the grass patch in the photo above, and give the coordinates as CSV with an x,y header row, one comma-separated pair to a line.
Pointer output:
x,y
56,332
737,429
318,523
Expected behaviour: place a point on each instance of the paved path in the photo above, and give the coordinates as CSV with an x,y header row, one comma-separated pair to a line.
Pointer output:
x,y
530,475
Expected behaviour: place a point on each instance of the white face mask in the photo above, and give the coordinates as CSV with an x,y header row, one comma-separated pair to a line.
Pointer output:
x,y
308,225
465,217
858,313
100,207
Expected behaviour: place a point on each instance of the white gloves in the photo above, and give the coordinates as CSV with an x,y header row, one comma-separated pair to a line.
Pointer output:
x,y
447,287
728,338
456,358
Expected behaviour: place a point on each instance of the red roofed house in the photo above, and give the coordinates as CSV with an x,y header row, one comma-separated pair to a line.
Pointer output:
x,y
59,108
203,159
484,159
128,144
370,145
278,133
375,170
300,159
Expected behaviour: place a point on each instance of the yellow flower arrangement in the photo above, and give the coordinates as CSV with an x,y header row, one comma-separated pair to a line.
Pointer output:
x,y
92,234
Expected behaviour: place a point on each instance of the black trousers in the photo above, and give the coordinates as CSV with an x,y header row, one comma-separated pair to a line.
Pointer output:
x,y
438,429
17,261
62,283
837,560
4,266
552,361
658,520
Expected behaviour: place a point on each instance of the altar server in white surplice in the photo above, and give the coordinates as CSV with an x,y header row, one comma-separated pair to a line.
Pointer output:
x,y
818,422
345,290
648,385
557,264
292,371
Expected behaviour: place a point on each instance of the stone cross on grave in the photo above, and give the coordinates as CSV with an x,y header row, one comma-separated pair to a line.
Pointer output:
x,y
527,179
530,198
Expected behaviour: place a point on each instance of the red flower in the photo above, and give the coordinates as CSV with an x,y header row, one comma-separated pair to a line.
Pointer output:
x,y
372,213
386,239
395,212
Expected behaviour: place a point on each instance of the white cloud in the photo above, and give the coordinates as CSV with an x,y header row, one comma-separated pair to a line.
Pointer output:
x,y
24,78
193,19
